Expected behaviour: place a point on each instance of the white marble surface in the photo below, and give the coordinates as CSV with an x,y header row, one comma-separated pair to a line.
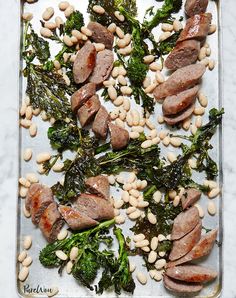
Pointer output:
x,y
9,134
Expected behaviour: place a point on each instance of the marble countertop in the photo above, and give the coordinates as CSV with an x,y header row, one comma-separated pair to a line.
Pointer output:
x,y
9,137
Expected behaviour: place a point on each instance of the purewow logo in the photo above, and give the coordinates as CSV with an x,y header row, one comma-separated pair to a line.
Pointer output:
x,y
27,289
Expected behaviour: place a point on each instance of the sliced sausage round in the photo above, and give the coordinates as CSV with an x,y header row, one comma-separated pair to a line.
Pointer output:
x,y
103,67
175,104
119,136
99,185
182,79
172,120
193,7
100,124
84,63
190,197
191,273
185,53
88,110
100,34
197,27
82,95
181,287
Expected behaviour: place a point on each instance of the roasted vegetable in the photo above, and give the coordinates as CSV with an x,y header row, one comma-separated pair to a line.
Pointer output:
x,y
166,46
74,22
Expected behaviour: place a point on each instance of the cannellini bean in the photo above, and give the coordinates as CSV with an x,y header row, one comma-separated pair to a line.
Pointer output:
x,y
142,243
146,144
152,257
58,21
186,124
74,39
211,208
33,130
69,266
27,16
98,9
136,117
119,16
205,61
199,110
152,218
112,92
61,255
212,29
120,32
62,235
26,212
159,77
158,276
31,177
122,80
135,193
74,253
63,5
211,64
24,182
160,264
163,134
22,256
141,277
150,88
133,201
143,204
27,242
126,90
23,108
161,253
160,119
155,140
143,184
134,215
57,64
202,99
70,9
99,47
48,13
192,163
152,134
114,115
126,104
177,26
118,204
86,31
120,179
154,243
164,36
200,210
132,177
41,169
25,123
148,59
76,34
193,129
142,122
111,179
54,291
171,157
58,167
175,141
45,32
118,101
161,237
116,212
166,141
149,124
176,201
130,210
147,82
157,196
202,54
112,28
129,119
166,27
23,191
42,157
23,274
172,194
139,129
198,121
120,219
155,66
132,266
127,186
50,25
127,38
67,41
139,237
125,196
109,83
115,72
212,184
214,193
27,261
145,248
121,43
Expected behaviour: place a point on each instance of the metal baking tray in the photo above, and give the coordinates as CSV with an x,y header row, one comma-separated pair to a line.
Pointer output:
x,y
41,279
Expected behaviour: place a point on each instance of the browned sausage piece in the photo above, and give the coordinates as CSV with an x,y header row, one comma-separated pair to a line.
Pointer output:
x,y
174,119
181,287
185,53
75,219
84,63
100,34
201,249
94,206
191,273
175,104
82,95
51,222
190,197
103,67
182,79
88,110
119,136
99,185
100,124
183,245
193,7
184,223
197,27
38,198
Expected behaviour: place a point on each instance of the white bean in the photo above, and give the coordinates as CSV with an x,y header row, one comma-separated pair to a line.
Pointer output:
x,y
121,43
112,28
130,210
155,140
58,167
122,80
141,277
177,26
112,92
32,177
126,90
22,256
27,261
155,66
145,248
59,21
118,204
150,88
193,129
166,27
86,31
23,108
115,72
157,196
120,32
119,16
63,5
98,9
61,255
143,204
161,253
27,242
161,237
198,121
160,119
202,99
210,183
205,61
134,215
159,77
70,9
139,129
135,193
27,16
175,141
152,256
133,201
69,266
67,40
41,169
42,157
127,186
142,243
176,201
146,82
132,267
125,196
50,25
158,276
26,212
111,179
186,124
164,36
171,157
48,13
23,274
172,194
202,54
211,64
99,47
120,179
160,264
151,218
116,212
149,124
138,237
24,182
146,144
200,210
154,243
214,193
25,123
211,208
23,191
212,29
33,130
45,32
166,141
120,219
126,104
74,253
148,59
118,101
62,235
